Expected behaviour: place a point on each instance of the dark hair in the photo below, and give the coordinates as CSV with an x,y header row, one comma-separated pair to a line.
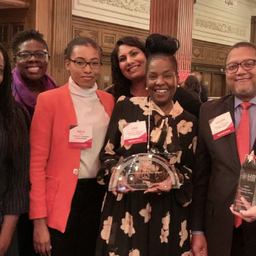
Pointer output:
x,y
162,45
121,83
24,36
14,117
192,84
238,45
81,41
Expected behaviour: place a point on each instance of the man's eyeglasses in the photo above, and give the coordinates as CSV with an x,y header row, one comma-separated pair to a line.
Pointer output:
x,y
247,65
83,63
39,55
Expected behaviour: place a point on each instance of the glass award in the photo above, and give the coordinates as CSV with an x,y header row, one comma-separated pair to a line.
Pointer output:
x,y
246,184
141,170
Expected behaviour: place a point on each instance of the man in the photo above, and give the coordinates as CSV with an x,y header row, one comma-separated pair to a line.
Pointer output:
x,y
204,89
218,164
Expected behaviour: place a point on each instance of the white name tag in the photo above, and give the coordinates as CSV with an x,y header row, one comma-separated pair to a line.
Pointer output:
x,y
135,133
80,136
221,125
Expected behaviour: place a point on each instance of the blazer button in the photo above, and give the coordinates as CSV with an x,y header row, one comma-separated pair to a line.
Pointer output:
x,y
76,171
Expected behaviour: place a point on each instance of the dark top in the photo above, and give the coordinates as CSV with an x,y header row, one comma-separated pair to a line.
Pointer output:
x,y
154,223
204,93
215,180
14,183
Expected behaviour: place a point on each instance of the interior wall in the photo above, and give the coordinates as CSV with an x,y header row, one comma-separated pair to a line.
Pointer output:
x,y
106,35
214,21
121,12
22,17
208,58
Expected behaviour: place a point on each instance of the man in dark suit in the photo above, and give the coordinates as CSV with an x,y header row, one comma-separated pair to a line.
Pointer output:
x,y
217,169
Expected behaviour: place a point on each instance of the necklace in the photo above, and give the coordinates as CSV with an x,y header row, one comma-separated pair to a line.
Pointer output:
x,y
150,113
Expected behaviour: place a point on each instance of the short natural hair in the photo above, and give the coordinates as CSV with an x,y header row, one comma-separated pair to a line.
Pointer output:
x,y
27,35
81,41
238,45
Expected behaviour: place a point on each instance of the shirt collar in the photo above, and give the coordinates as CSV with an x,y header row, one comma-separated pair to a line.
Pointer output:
x,y
238,101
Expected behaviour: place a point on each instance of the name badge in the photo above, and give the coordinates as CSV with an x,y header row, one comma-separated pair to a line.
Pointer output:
x,y
80,136
135,133
221,125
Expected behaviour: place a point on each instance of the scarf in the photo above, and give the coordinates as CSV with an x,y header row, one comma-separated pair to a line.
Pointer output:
x,y
23,95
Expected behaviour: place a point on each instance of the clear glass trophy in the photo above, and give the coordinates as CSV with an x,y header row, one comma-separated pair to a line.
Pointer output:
x,y
141,170
246,184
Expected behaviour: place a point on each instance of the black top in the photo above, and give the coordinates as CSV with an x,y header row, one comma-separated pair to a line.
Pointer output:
x,y
14,183
155,223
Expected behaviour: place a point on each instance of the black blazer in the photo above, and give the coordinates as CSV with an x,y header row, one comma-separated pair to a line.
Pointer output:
x,y
215,181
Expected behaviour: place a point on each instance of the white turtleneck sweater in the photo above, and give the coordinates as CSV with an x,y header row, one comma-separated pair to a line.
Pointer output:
x,y
89,112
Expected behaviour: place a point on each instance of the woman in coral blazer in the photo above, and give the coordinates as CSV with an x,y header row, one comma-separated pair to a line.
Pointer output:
x,y
67,133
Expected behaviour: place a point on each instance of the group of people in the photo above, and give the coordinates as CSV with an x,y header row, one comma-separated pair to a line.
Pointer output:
x,y
78,136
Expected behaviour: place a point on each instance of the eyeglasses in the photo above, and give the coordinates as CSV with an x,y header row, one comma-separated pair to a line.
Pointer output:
x,y
39,55
246,65
83,63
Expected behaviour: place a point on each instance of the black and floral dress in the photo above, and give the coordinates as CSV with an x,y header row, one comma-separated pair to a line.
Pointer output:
x,y
152,224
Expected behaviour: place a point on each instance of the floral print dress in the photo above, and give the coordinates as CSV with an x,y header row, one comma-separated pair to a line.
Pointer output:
x,y
152,224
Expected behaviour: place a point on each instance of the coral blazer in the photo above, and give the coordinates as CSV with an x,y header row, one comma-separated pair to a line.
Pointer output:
x,y
54,166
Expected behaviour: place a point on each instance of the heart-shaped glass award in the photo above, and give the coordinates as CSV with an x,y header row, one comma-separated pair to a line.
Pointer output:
x,y
142,170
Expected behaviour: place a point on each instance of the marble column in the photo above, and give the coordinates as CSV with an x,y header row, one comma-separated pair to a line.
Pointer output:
x,y
175,18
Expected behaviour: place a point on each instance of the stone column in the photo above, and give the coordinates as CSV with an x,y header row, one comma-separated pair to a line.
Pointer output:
x,y
175,18
54,20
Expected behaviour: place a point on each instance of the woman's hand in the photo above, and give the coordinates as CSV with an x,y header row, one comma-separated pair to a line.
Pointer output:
x,y
249,215
42,242
164,186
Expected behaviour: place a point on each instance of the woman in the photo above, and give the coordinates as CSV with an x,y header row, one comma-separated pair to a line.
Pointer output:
x,y
193,86
67,133
128,61
14,160
152,222
31,56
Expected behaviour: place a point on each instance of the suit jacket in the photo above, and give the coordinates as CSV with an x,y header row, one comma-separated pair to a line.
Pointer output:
x,y
216,176
53,167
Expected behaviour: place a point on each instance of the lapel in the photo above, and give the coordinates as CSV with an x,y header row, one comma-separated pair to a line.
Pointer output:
x,y
231,138
68,106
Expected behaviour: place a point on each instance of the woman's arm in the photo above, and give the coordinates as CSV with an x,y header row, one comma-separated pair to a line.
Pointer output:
x,y
108,154
41,237
8,228
40,143
185,167
40,140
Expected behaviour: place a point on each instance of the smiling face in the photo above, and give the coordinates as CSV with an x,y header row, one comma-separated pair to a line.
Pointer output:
x,y
84,77
132,62
242,83
1,67
32,69
162,81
